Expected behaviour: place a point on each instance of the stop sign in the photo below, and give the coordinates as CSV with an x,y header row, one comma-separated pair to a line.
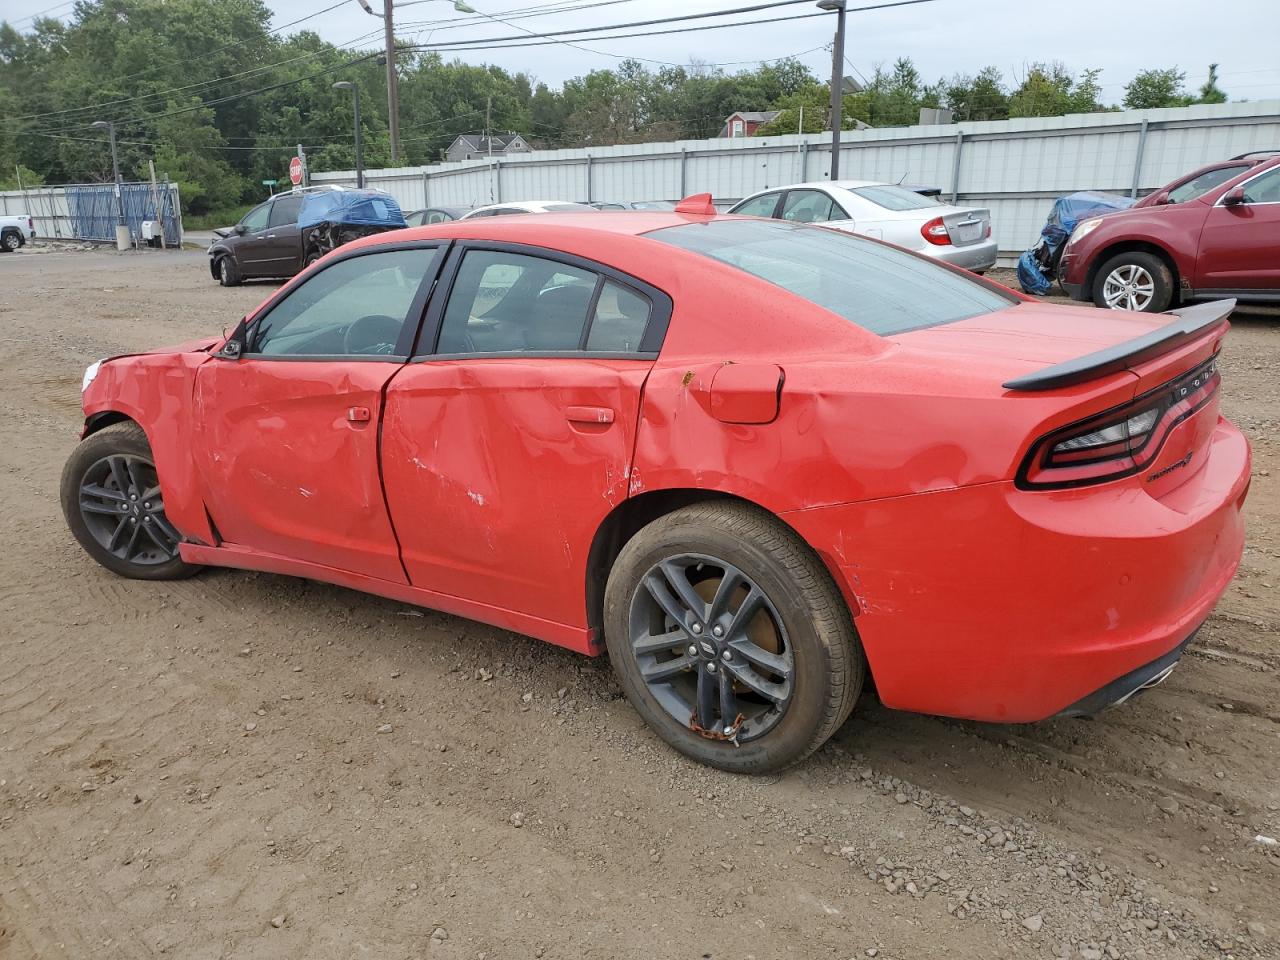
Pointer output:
x,y
295,170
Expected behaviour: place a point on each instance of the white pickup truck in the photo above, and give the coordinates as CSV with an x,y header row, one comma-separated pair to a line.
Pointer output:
x,y
15,232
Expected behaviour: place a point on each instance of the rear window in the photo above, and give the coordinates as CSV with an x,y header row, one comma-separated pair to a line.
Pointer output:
x,y
893,197
873,285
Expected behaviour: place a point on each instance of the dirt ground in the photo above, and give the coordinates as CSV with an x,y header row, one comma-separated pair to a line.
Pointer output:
x,y
196,770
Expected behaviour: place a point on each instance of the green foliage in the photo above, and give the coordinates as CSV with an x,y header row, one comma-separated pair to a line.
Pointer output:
x,y
172,75
223,217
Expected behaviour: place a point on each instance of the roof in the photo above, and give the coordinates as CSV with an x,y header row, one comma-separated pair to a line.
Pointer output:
x,y
755,116
478,141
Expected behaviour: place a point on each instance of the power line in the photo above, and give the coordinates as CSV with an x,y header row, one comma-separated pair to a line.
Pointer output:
x,y
40,13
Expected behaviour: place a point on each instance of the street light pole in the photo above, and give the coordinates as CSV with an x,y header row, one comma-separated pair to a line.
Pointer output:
x,y
393,80
355,91
837,82
122,228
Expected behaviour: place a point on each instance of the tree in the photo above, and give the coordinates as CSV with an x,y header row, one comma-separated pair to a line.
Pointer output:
x,y
1210,92
1051,90
980,97
1156,88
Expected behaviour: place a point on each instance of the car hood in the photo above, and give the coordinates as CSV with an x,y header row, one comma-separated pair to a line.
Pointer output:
x,y
1027,336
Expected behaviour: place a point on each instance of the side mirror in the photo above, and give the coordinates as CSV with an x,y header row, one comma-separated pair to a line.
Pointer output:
x,y
1233,197
239,230
1161,198
235,344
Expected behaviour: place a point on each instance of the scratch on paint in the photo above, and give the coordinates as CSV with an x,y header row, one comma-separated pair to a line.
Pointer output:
x,y
637,483
419,464
305,492
476,498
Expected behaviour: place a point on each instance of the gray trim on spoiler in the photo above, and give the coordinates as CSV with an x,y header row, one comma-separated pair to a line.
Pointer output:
x,y
1191,322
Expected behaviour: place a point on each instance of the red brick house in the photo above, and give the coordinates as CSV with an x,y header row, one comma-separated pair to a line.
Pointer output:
x,y
745,122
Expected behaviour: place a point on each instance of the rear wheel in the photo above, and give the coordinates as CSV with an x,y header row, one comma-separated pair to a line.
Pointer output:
x,y
228,275
1134,280
730,638
11,241
113,503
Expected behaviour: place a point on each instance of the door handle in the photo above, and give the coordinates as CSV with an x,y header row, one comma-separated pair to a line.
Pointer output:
x,y
269,236
358,414
589,415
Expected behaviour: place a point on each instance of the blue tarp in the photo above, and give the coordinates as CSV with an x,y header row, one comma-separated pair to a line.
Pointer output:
x,y
359,208
1038,267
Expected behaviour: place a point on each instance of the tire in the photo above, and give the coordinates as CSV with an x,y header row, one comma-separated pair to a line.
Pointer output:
x,y
11,241
814,671
114,468
228,273
1134,280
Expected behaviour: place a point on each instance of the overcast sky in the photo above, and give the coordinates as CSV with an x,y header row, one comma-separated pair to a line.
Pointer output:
x,y
942,37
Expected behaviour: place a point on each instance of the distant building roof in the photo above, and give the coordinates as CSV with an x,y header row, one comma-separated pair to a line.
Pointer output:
x,y
479,142
756,116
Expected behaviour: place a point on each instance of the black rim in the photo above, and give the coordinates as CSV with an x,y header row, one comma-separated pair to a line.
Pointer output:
x,y
121,505
711,648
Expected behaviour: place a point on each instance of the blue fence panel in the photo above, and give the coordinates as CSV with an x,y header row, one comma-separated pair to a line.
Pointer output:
x,y
93,212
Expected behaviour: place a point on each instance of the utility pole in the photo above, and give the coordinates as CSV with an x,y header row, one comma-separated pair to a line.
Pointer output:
x,y
393,84
355,110
123,239
488,135
837,82
306,172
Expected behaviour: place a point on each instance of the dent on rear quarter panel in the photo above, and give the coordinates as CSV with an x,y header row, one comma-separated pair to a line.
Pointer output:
x,y
155,391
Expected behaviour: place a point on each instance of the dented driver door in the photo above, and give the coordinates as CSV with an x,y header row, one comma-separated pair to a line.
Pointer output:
x,y
506,447
287,432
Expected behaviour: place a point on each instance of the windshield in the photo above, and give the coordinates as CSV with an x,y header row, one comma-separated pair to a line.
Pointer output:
x,y
876,286
893,197
1198,186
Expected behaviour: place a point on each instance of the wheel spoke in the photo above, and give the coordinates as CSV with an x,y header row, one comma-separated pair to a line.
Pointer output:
x,y
120,473
729,584
136,477
660,672
707,695
678,581
744,674
657,588
742,617
131,546
103,493
114,543
106,509
728,702
649,643
158,536
777,664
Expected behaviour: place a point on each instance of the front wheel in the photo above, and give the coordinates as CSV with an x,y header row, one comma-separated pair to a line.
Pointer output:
x,y
1134,280
730,638
10,242
228,275
113,503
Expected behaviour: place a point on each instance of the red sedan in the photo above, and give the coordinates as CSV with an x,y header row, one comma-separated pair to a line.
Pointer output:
x,y
752,460
1215,233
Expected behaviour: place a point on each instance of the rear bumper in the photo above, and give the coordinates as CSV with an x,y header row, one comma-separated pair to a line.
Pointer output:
x,y
972,256
1007,605
1122,689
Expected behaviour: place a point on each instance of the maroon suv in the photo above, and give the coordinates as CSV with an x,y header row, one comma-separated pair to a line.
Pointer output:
x,y
1214,233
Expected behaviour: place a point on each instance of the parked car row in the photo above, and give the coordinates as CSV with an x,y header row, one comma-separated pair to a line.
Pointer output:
x,y
1212,233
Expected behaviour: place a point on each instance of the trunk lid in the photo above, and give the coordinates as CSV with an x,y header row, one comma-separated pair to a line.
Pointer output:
x,y
966,226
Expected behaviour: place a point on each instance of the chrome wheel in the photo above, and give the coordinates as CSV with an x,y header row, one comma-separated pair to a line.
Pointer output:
x,y
224,272
122,508
1128,287
711,648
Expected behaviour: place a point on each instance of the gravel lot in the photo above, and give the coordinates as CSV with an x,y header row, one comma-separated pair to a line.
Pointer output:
x,y
196,769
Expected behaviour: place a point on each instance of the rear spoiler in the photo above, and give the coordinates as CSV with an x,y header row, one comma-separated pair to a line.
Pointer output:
x,y
1191,322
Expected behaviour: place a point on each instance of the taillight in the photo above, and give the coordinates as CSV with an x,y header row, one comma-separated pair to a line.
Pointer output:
x,y
31,223
986,234
1120,442
935,231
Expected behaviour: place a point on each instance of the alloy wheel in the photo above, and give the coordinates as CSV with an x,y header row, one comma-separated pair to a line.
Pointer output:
x,y
122,507
1128,287
711,648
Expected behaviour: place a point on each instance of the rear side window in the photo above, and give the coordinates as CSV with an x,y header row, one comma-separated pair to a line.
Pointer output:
x,y
285,211
809,206
877,287
758,206
619,320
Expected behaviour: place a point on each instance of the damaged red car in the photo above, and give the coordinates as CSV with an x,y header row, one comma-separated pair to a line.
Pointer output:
x,y
758,463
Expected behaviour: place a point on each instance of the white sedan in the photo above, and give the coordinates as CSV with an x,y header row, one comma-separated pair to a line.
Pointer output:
x,y
527,206
885,211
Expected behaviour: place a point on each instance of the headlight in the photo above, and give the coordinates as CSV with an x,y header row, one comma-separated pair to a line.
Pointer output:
x,y
90,372
1084,228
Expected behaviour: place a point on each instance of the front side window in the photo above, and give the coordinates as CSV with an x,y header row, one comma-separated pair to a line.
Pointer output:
x,y
762,206
808,206
256,219
892,197
1264,189
437,216
876,286
357,307
513,303
285,211
1199,186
